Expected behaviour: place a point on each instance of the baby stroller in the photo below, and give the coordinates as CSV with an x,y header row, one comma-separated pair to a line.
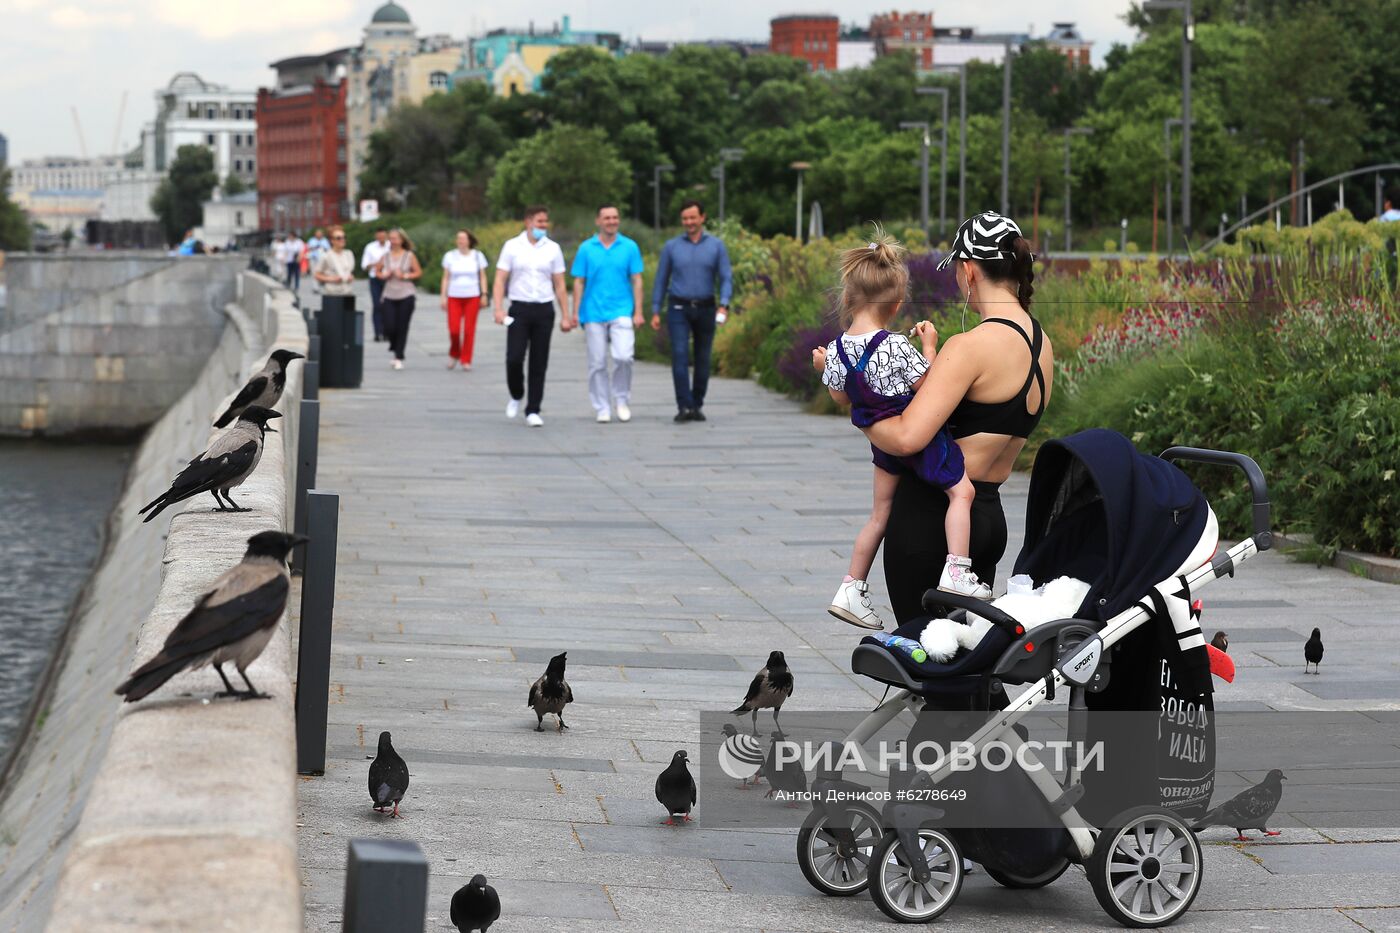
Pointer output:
x,y
1144,538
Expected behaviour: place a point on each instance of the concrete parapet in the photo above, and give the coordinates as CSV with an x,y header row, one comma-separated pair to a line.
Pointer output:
x,y
163,814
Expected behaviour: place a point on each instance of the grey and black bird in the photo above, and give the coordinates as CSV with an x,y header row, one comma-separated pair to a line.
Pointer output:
x,y
263,388
675,788
1249,809
769,690
233,621
1312,651
388,777
1221,642
551,693
475,906
785,777
230,459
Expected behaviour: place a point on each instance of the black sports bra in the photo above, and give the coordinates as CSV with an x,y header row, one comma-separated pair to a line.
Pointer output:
x,y
1009,417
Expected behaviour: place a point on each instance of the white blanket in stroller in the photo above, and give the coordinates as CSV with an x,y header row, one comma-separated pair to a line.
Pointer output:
x,y
1058,599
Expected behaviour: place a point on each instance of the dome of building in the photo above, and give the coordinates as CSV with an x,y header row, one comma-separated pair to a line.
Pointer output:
x,y
390,13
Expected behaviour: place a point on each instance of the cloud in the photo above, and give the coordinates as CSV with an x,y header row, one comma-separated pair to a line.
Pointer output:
x,y
77,19
247,17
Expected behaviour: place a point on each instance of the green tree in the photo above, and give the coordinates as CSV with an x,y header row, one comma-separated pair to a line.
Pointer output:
x,y
564,166
14,226
233,185
179,199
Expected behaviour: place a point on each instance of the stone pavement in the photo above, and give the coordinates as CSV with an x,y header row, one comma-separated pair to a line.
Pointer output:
x,y
669,560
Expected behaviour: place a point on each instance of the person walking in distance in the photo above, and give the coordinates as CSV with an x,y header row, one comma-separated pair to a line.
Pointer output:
x,y
687,272
294,247
335,269
463,284
607,275
369,261
399,269
530,272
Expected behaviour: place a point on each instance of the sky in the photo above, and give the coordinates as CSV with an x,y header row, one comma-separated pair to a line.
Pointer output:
x,y
56,55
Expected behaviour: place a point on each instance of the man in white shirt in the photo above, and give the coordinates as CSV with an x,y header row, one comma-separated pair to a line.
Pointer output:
x,y
294,246
530,272
369,260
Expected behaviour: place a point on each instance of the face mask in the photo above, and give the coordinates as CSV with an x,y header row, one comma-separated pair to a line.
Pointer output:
x,y
539,233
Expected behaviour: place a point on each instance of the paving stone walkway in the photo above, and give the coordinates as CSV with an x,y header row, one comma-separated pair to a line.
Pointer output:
x,y
669,560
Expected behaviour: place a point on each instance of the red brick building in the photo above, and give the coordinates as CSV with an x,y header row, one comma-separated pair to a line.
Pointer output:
x,y
811,38
897,32
1066,39
301,145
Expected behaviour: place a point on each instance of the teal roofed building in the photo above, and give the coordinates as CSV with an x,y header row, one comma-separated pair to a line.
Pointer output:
x,y
512,60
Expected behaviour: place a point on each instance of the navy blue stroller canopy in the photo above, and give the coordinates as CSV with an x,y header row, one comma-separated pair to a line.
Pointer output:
x,y
1102,512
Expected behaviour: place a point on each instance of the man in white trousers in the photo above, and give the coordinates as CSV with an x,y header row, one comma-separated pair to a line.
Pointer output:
x,y
607,275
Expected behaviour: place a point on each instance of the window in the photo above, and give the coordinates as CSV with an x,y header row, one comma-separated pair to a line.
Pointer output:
x,y
238,218
237,139
250,165
209,139
211,113
340,180
238,165
438,80
340,130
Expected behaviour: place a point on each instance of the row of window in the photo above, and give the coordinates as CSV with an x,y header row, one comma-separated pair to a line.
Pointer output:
x,y
243,139
241,165
815,45
212,111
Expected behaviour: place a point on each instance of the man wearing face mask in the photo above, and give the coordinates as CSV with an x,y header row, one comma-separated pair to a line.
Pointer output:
x,y
530,272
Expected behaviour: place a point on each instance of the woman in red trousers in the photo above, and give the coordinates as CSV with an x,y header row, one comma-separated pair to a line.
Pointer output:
x,y
463,285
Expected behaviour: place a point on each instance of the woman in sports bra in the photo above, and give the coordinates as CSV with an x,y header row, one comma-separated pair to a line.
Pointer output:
x,y
990,386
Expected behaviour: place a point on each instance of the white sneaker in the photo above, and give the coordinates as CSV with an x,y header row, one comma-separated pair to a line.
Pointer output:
x,y
512,408
398,364
852,604
958,578
604,417
623,412
534,421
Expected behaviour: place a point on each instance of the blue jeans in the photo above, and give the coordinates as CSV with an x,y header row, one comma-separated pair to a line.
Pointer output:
x,y
683,320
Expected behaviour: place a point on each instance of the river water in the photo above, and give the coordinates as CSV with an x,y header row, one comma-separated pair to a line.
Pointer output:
x,y
54,502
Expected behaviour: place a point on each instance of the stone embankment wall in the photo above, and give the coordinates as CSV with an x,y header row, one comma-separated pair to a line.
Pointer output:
x,y
172,813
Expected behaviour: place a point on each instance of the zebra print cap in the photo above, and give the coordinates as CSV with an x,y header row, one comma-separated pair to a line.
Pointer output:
x,y
980,237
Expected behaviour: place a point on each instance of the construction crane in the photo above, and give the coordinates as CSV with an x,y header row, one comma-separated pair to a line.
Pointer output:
x,y
78,125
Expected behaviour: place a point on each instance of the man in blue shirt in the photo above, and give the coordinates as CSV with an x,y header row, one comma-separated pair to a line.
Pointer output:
x,y
689,267
607,275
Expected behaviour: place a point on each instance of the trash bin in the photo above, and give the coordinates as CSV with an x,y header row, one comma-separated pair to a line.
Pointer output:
x,y
341,329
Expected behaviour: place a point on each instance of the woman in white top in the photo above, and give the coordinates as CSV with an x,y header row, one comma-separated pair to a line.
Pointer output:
x,y
463,285
335,269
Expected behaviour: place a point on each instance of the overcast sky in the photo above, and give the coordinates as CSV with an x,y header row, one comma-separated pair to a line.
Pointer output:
x,y
60,54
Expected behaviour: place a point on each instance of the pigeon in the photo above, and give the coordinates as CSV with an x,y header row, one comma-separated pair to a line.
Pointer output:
x,y
228,461
675,788
388,777
1312,651
475,906
1221,642
233,621
770,688
786,778
264,389
740,754
551,693
1249,809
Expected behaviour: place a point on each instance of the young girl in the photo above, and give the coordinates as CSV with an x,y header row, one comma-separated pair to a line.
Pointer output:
x,y
877,373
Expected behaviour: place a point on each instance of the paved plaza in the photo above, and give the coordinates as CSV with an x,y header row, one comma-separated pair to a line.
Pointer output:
x,y
669,560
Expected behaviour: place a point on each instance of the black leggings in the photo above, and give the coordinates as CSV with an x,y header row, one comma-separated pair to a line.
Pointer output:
x,y
916,546
398,312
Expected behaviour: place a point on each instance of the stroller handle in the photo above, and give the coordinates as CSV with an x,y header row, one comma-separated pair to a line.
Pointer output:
x,y
937,599
1259,491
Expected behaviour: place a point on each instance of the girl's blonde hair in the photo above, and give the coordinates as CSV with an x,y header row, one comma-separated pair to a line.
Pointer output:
x,y
873,274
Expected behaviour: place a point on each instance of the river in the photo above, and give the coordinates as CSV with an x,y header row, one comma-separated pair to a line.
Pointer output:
x,y
54,502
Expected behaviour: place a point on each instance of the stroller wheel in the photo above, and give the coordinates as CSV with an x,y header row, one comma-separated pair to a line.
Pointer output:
x,y
1146,868
834,849
1011,880
894,889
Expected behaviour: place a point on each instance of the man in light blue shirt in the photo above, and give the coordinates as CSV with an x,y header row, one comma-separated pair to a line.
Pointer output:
x,y
689,268
607,275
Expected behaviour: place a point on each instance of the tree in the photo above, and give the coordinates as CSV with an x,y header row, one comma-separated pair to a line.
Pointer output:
x,y
564,166
233,185
14,226
179,199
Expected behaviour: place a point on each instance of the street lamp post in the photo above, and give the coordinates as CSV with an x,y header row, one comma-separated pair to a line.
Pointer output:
x,y
942,159
962,137
923,170
1006,130
1188,36
1167,125
656,194
725,156
799,167
1071,131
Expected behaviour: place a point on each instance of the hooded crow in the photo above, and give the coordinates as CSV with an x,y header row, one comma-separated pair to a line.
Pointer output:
x,y
675,788
770,688
233,621
264,389
1312,652
1249,809
551,693
388,777
1221,641
475,906
230,459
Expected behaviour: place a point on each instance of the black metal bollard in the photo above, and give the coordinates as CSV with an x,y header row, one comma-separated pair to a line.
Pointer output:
x,y
386,887
311,379
314,635
313,348
309,431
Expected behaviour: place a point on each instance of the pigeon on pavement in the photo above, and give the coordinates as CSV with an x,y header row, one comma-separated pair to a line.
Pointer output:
x,y
787,777
675,788
770,688
388,777
1221,642
229,460
1249,809
233,621
264,389
551,693
1312,651
475,906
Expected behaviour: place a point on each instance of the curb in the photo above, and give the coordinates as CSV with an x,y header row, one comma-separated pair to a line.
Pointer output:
x,y
1370,566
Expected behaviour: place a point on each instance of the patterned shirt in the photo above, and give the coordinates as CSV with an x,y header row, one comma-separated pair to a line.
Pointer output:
x,y
894,369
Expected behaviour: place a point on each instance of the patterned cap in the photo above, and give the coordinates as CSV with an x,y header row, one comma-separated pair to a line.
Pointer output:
x,y
981,237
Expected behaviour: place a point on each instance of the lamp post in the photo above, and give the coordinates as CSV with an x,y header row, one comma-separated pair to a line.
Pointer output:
x,y
1167,125
1071,131
1006,129
1123,236
942,159
799,167
1188,35
923,170
962,136
725,156
656,194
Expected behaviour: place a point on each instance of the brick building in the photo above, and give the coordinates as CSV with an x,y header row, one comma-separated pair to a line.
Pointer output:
x,y
302,172
812,38
1066,39
899,32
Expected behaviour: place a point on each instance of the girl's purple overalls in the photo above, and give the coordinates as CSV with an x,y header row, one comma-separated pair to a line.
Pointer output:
x,y
940,463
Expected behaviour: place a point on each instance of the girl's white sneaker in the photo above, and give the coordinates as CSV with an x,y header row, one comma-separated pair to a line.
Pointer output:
x,y
958,578
852,604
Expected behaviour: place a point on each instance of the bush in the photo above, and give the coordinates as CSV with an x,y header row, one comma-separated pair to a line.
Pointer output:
x,y
564,166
